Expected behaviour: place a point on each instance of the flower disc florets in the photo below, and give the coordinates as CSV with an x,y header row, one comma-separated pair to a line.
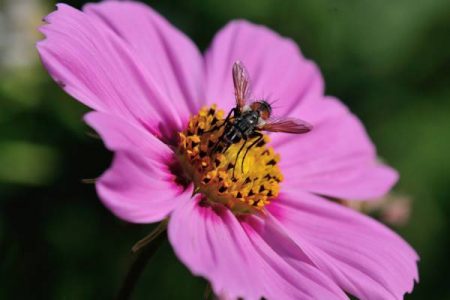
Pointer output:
x,y
242,185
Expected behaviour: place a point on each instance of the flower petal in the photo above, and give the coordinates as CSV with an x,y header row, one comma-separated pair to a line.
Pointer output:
x,y
139,191
97,67
139,186
238,261
175,62
121,135
336,158
363,256
274,63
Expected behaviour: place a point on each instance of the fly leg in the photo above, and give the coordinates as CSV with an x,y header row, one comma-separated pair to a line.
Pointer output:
x,y
237,155
216,147
259,137
227,119
220,139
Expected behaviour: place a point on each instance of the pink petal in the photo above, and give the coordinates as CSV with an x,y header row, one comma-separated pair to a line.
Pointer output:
x,y
364,257
237,259
139,186
99,68
175,62
277,69
121,135
336,158
139,191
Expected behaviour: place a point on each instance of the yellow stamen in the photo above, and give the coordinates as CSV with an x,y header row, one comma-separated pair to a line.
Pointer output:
x,y
245,187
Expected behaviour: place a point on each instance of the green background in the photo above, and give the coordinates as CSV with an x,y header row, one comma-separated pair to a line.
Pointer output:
x,y
389,61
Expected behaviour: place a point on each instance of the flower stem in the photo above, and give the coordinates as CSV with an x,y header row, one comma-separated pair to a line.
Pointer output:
x,y
208,291
143,251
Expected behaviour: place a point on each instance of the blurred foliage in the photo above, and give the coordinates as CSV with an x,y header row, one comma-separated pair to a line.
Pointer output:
x,y
389,61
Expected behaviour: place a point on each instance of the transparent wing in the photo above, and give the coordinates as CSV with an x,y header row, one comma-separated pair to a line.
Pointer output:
x,y
241,82
288,125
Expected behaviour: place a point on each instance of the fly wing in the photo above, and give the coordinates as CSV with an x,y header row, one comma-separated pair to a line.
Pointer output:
x,y
241,82
288,125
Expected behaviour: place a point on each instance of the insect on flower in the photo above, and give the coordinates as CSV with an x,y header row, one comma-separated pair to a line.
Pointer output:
x,y
270,231
245,121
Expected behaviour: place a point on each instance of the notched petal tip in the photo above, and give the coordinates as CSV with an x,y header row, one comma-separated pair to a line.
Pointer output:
x,y
58,8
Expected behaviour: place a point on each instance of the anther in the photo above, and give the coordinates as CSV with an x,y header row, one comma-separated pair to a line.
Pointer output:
x,y
213,171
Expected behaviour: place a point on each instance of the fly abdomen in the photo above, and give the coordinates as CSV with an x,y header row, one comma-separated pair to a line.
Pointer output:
x,y
232,136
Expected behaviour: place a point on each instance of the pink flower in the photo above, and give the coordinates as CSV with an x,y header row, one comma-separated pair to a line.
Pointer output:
x,y
145,80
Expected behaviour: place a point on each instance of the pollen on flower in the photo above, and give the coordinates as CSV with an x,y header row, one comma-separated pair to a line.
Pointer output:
x,y
243,186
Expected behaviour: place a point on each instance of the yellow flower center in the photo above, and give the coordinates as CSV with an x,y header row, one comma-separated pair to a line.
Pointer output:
x,y
243,185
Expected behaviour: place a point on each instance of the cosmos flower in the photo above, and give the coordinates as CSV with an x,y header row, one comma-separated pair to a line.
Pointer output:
x,y
269,231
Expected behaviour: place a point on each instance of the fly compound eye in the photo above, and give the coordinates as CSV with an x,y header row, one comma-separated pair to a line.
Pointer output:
x,y
264,114
265,110
263,107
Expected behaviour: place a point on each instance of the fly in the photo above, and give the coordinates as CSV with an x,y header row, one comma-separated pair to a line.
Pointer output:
x,y
246,120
